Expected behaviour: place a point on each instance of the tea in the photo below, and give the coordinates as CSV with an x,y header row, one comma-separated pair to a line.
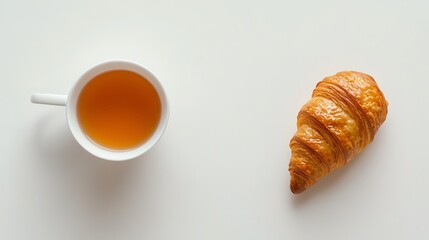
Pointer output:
x,y
119,109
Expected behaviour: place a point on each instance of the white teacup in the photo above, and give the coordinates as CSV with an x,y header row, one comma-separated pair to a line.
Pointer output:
x,y
70,101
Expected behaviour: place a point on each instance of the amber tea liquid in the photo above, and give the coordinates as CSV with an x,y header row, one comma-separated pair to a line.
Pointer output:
x,y
119,109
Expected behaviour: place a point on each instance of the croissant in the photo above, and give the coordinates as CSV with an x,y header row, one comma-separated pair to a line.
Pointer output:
x,y
338,122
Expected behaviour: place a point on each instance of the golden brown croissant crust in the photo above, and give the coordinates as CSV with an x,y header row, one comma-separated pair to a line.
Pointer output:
x,y
340,119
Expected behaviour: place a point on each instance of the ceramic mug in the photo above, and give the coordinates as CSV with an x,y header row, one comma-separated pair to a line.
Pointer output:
x,y
70,102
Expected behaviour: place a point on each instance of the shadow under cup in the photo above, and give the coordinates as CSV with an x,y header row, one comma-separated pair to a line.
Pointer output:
x,y
117,110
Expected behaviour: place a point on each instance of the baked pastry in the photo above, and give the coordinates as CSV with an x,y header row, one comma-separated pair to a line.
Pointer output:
x,y
340,119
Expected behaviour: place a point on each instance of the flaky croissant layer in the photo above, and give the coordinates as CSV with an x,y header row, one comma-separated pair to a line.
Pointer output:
x,y
340,119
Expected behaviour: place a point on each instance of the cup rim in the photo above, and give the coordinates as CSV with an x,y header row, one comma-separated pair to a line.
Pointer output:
x,y
90,145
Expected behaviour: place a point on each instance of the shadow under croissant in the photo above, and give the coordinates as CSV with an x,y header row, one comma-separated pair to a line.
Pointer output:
x,y
326,185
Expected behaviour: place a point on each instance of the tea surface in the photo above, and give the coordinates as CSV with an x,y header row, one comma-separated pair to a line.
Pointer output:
x,y
119,109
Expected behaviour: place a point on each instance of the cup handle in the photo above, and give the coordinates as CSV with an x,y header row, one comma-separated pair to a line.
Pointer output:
x,y
50,99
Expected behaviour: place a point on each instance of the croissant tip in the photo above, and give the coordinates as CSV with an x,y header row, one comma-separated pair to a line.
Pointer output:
x,y
297,191
297,185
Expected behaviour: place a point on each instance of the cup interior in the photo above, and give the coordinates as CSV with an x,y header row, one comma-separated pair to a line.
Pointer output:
x,y
85,141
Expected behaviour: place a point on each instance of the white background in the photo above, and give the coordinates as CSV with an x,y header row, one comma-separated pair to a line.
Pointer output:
x,y
236,73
